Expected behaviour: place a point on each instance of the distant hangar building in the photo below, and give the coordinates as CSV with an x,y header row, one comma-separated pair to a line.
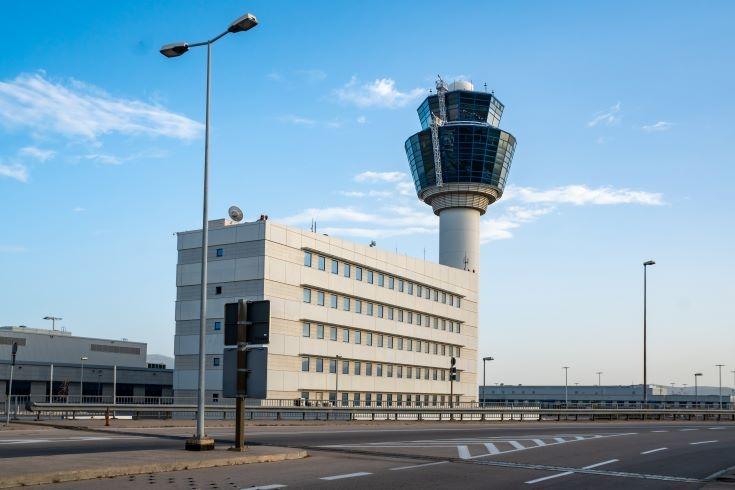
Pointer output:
x,y
350,322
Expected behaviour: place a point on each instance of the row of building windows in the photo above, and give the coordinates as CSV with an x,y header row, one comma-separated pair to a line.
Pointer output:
x,y
379,399
370,368
382,280
381,311
360,337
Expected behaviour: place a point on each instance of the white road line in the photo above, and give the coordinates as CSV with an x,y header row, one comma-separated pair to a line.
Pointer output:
x,y
701,442
265,487
464,452
659,431
650,451
684,430
566,473
539,442
491,448
716,428
348,475
417,466
516,444
560,439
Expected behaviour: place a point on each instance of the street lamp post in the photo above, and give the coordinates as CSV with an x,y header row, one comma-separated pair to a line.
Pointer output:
x,y
696,389
200,441
81,379
53,320
720,366
566,386
645,378
484,384
336,380
13,352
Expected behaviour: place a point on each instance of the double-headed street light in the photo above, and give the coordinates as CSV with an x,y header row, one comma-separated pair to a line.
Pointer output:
x,y
696,388
81,379
53,320
200,441
720,366
645,378
484,384
566,386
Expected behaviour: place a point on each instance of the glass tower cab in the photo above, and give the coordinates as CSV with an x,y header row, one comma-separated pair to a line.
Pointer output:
x,y
460,162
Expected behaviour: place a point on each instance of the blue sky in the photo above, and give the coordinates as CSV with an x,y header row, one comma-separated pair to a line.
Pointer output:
x,y
622,111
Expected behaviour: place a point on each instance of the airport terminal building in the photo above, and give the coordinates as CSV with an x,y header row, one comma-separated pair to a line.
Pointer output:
x,y
350,322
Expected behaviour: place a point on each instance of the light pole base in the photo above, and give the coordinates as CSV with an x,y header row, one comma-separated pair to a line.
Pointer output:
x,y
196,444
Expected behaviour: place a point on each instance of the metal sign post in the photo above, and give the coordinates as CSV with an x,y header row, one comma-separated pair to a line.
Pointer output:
x,y
14,351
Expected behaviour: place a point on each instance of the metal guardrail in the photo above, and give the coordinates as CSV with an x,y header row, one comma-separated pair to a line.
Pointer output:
x,y
397,412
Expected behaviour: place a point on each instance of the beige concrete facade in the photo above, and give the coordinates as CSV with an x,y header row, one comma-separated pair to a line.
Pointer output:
x,y
395,321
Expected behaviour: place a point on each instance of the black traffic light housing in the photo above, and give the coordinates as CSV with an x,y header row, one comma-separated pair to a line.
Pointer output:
x,y
453,370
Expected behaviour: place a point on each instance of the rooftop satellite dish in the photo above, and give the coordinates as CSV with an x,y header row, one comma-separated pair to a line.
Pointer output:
x,y
235,213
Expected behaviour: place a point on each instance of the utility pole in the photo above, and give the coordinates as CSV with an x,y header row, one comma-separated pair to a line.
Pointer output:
x,y
13,352
566,386
696,389
645,378
484,383
720,366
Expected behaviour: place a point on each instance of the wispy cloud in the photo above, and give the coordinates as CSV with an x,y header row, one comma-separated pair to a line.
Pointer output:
x,y
15,171
607,117
381,92
75,109
581,195
313,75
361,120
12,249
657,126
36,153
297,120
370,176
79,209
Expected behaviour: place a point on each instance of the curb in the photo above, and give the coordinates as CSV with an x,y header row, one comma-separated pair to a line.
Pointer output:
x,y
114,471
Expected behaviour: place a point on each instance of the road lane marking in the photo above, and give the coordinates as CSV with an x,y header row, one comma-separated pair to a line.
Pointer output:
x,y
685,430
348,475
539,442
716,428
516,444
566,473
491,448
651,451
701,442
4,442
418,466
464,452
560,440
265,487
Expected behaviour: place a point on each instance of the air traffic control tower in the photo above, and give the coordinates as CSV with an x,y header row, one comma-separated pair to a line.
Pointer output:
x,y
460,162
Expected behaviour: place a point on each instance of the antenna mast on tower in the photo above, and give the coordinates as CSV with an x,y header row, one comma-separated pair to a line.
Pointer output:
x,y
441,90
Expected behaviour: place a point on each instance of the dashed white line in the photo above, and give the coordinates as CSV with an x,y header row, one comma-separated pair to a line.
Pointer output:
x,y
265,487
348,475
651,451
716,428
659,431
559,439
566,473
701,442
418,466
685,430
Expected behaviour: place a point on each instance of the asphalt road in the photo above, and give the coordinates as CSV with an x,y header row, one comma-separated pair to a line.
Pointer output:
x,y
429,455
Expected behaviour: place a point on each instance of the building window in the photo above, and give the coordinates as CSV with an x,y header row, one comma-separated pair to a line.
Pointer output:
x,y
444,324
345,399
419,289
335,266
333,366
320,365
218,325
346,270
458,302
369,309
305,364
457,325
389,370
410,288
435,295
444,376
370,277
435,375
358,273
220,252
444,350
426,347
333,300
307,259
368,369
426,320
379,399
346,336
409,372
356,399
322,263
400,343
307,295
380,311
400,285
436,349
451,326
358,337
305,395
358,306
215,397
346,303
410,345
345,367
390,313
381,280
444,297
391,282
390,342
379,370
418,319
320,298
426,374
320,331
418,346
368,399
456,351
218,290
306,330
368,339
426,293
400,315
409,317
380,340
399,372
333,333
215,361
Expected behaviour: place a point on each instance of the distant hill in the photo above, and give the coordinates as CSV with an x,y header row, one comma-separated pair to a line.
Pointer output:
x,y
161,359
